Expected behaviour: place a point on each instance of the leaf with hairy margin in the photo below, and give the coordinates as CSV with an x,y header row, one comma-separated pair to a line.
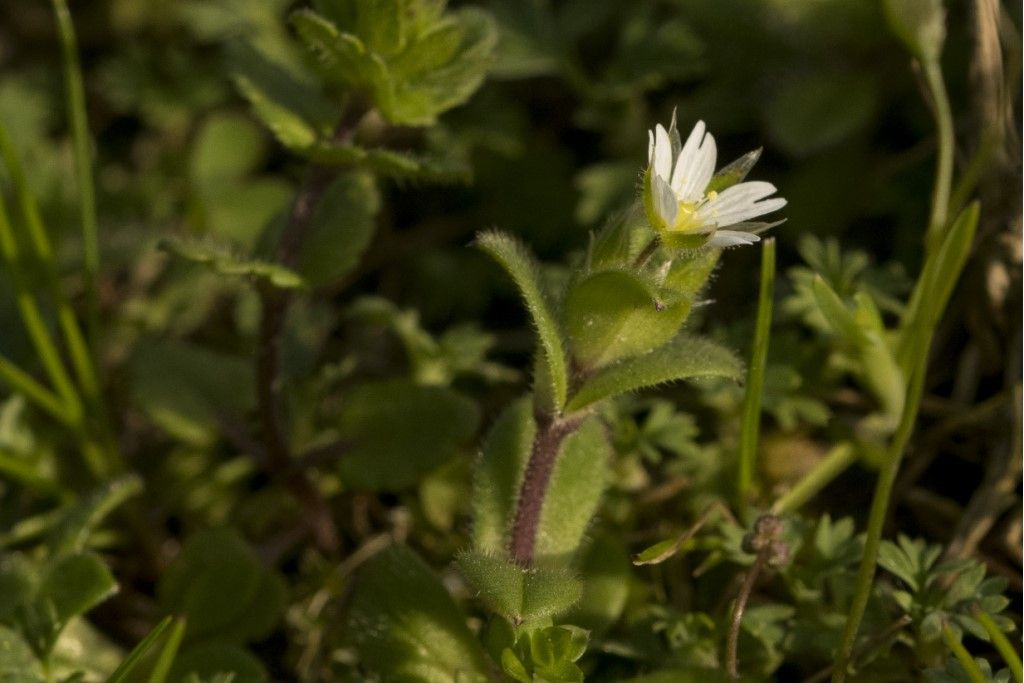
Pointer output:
x,y
517,260
684,357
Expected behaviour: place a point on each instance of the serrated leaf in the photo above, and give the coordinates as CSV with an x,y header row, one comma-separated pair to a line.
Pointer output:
x,y
76,584
223,260
499,474
342,57
406,626
683,358
400,431
519,263
520,594
613,314
578,479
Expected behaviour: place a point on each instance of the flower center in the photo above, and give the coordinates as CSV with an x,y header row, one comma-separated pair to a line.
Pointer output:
x,y
686,218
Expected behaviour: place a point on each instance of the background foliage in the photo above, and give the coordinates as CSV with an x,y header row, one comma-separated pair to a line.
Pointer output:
x,y
401,346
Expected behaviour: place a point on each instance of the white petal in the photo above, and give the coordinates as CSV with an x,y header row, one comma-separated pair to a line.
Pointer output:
x,y
731,238
662,153
689,187
665,203
688,157
739,203
650,146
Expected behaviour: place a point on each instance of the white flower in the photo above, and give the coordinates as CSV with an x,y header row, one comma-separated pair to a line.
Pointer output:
x,y
679,203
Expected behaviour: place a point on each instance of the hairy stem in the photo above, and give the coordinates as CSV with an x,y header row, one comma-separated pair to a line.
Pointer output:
x,y
546,443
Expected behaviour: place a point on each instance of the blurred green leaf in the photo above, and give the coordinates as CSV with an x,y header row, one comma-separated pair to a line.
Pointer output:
x,y
76,584
811,112
398,431
406,626
76,522
18,663
187,390
340,230
221,259
219,586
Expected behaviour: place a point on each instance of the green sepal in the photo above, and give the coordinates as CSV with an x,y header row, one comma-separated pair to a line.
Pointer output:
x,y
520,264
406,626
690,271
224,260
499,474
612,314
684,357
520,594
734,172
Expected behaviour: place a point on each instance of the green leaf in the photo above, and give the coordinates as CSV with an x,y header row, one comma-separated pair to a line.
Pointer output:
x,y
187,390
499,474
577,481
18,663
131,667
290,129
431,167
919,24
519,263
207,660
77,522
406,626
227,147
606,571
613,314
340,230
18,580
815,111
76,584
520,594
220,587
934,287
863,332
400,431
225,260
683,358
